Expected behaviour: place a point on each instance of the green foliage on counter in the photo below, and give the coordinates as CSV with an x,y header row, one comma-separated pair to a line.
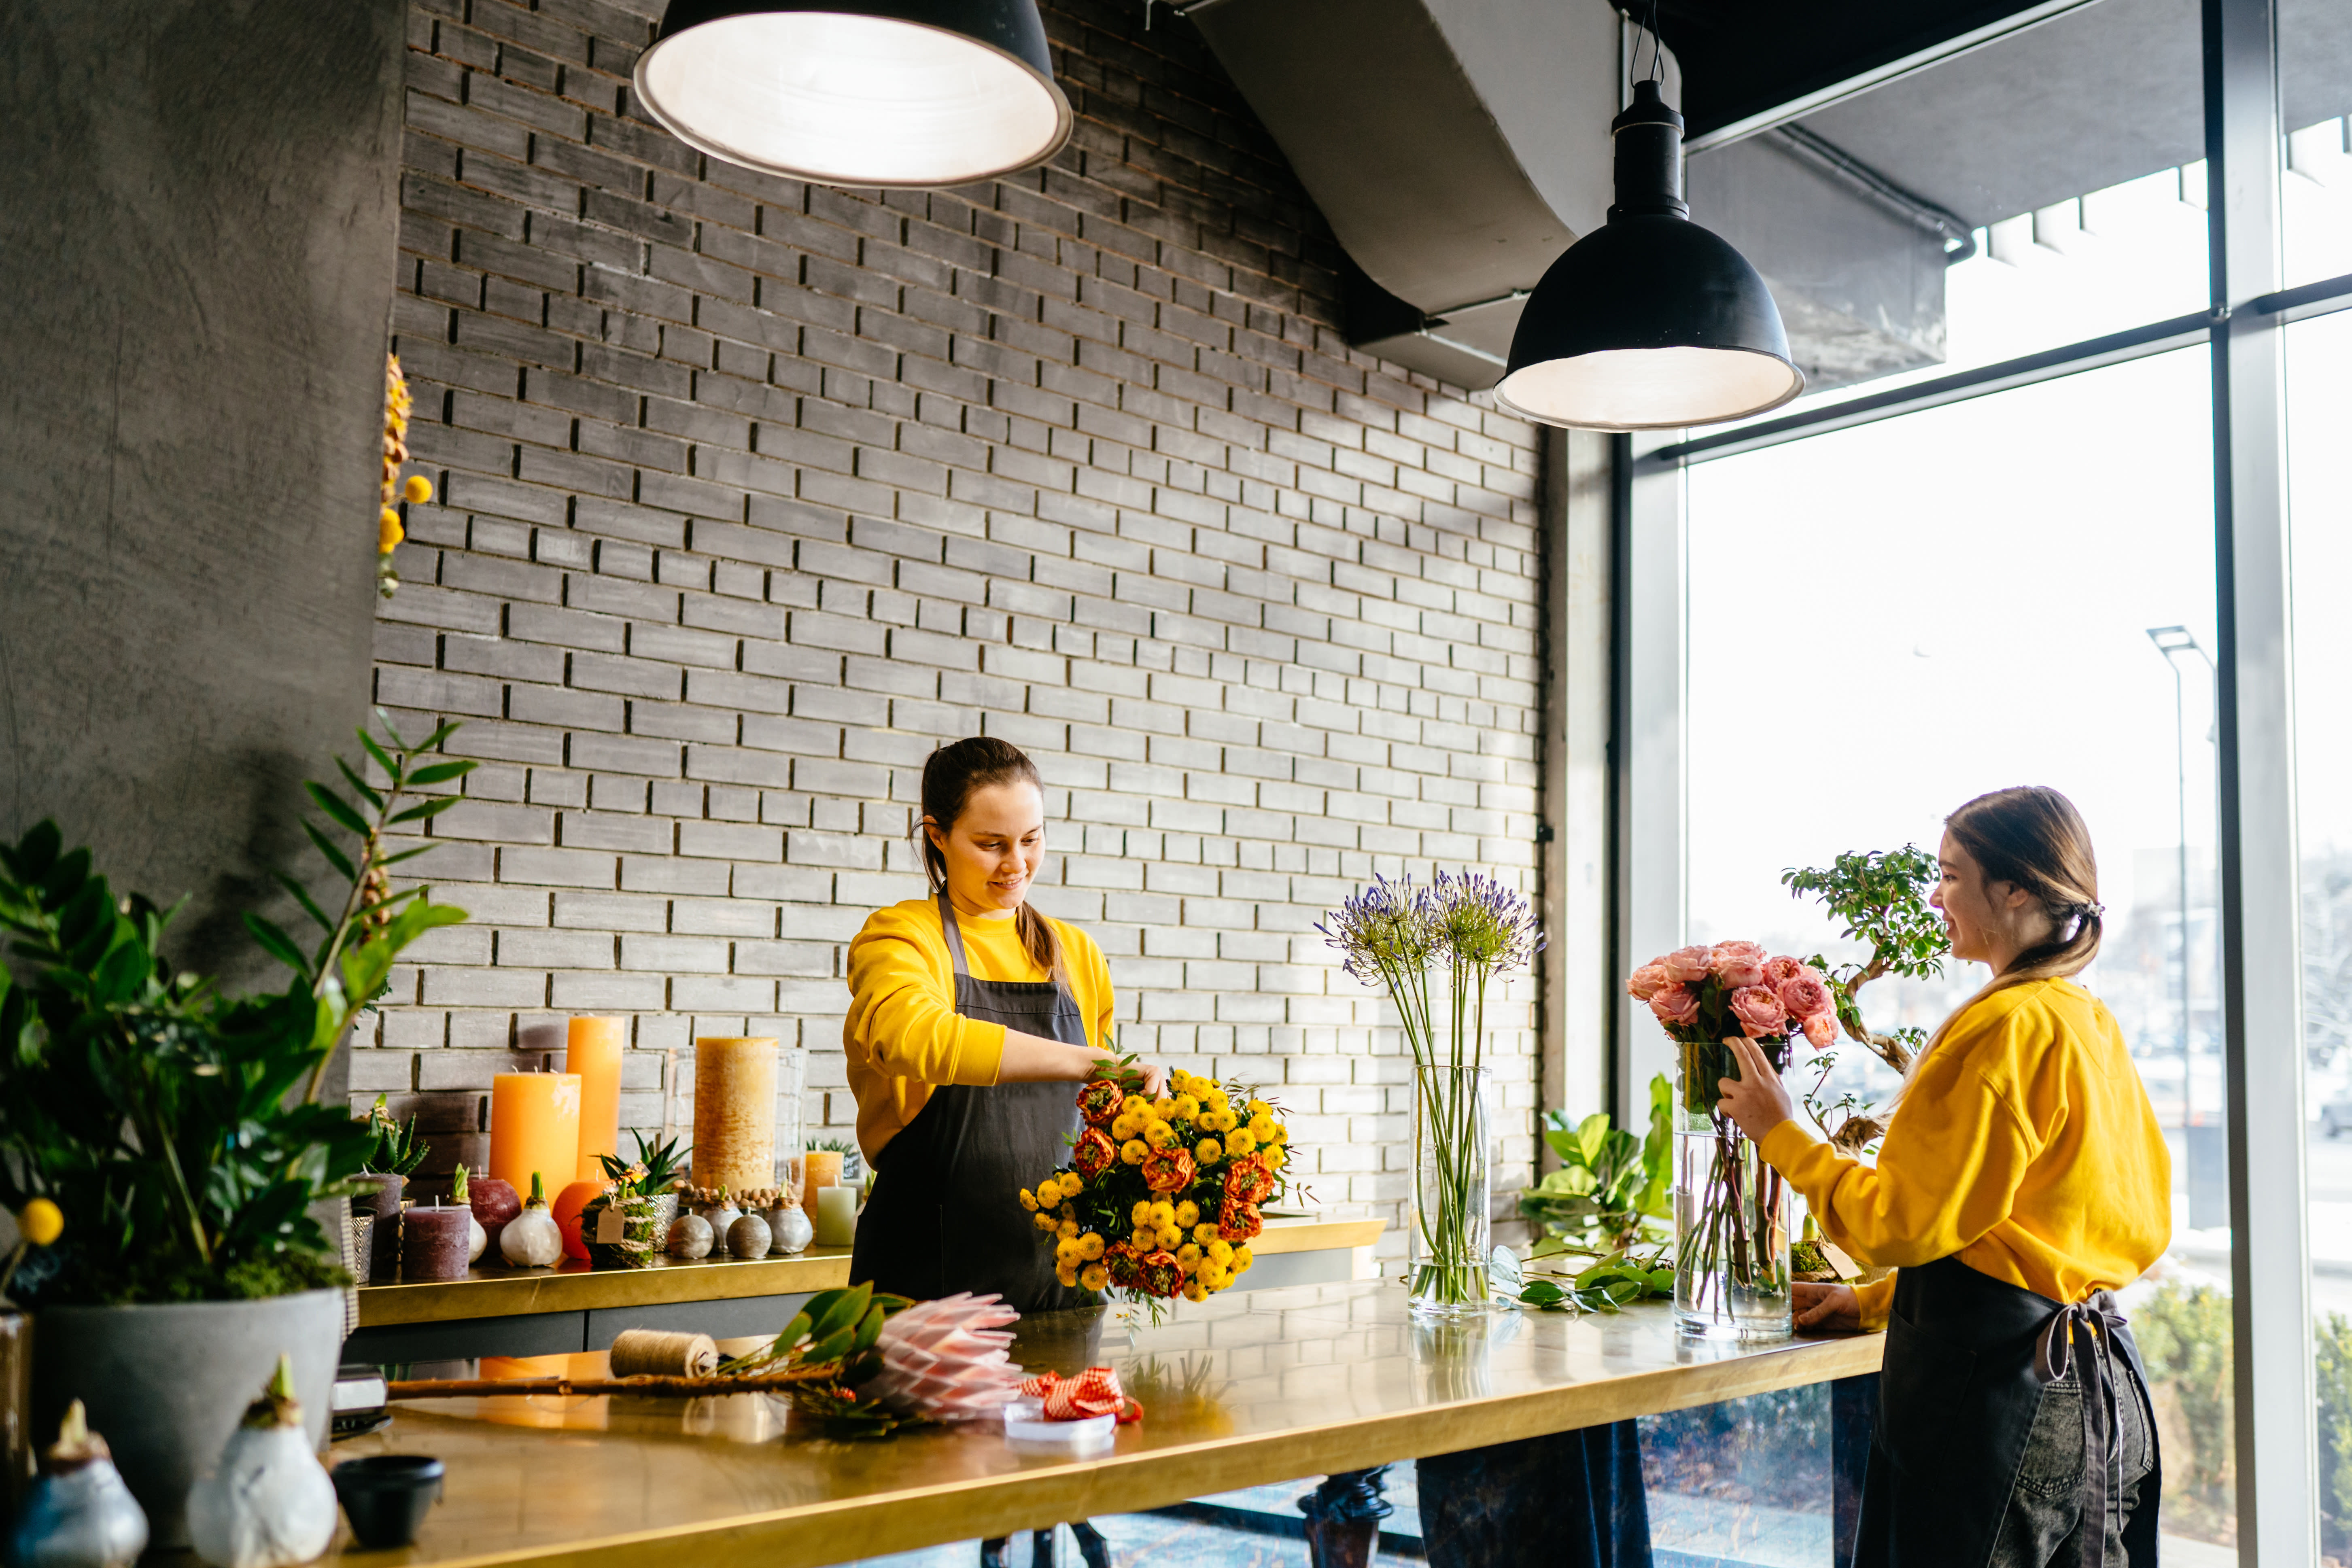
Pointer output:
x,y
1610,1193
168,1122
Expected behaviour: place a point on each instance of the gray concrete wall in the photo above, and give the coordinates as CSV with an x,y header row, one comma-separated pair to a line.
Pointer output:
x,y
198,207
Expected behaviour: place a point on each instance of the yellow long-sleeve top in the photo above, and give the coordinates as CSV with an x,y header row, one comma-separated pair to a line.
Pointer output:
x,y
903,1034
2025,1145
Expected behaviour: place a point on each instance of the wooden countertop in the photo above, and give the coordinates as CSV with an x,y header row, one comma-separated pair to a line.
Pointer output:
x,y
501,1292
1247,1387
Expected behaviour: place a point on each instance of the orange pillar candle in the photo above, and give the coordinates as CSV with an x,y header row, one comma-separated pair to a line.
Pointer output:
x,y
820,1168
734,1113
534,1126
593,1050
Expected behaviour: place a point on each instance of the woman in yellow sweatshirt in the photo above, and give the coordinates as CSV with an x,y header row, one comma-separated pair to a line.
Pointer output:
x,y
971,1018
2021,1179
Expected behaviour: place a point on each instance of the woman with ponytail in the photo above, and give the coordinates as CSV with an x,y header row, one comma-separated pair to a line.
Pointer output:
x,y
971,1018
2022,1180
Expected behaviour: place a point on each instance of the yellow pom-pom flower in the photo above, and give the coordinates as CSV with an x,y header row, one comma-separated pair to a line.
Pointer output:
x,y
1049,1193
1168,1236
418,489
1260,1108
1133,1150
1275,1158
1069,1227
41,1222
1045,1221
1145,1237
1209,1152
1094,1277
1135,1105
1188,1257
1263,1128
1066,1278
1028,1200
1187,1215
1072,1184
1163,1106
1204,1233
1124,1127
1090,1246
1159,1136
1242,1259
1240,1141
1163,1212
1185,1107
1221,1252
1141,1213
1195,1291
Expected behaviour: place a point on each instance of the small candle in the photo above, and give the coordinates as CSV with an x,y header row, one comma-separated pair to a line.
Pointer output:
x,y
820,1169
837,1216
534,1126
734,1113
433,1241
592,1049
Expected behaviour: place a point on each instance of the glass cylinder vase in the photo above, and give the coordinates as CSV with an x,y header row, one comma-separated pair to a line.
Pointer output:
x,y
1453,1184
1731,1213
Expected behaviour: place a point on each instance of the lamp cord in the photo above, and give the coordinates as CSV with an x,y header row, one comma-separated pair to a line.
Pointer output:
x,y
1657,45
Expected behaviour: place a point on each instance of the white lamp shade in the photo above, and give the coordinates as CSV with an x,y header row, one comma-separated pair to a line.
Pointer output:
x,y
1649,389
852,98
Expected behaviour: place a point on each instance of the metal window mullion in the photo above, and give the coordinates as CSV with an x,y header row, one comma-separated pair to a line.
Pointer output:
x,y
2261,955
1653,778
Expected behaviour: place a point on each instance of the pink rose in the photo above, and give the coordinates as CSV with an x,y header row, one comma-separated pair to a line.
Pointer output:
x,y
1689,966
1758,1011
1780,970
1806,995
1675,1005
1648,981
1738,963
1822,1030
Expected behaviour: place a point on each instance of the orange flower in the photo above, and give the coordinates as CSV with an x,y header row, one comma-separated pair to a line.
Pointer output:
x,y
1157,1273
1100,1101
1125,1264
1247,1180
1094,1154
1240,1222
1168,1170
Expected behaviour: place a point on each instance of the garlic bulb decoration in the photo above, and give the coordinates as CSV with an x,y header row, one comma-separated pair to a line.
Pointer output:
x,y
948,1359
78,1514
269,1504
477,1240
531,1239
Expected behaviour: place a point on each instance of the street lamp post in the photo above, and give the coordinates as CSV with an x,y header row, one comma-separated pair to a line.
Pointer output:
x,y
2169,640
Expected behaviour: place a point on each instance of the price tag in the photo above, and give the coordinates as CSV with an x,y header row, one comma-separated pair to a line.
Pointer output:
x,y
609,1225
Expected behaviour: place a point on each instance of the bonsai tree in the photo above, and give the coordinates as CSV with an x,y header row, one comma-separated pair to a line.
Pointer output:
x,y
170,1124
1881,896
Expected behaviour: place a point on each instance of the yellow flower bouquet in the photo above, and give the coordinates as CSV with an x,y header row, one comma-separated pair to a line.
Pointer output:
x,y
1163,1196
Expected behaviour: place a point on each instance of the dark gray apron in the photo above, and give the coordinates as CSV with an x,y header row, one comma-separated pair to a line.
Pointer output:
x,y
1967,1359
946,1213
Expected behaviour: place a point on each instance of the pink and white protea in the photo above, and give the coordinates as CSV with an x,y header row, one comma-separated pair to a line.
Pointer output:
x,y
949,1359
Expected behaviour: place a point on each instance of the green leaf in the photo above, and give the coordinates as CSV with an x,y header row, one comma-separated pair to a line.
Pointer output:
x,y
408,854
869,1329
277,944
36,852
843,1312
426,809
367,792
441,773
123,973
302,896
335,857
391,768
336,807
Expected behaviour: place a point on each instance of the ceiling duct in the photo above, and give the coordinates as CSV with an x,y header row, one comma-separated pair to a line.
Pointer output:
x,y
1456,147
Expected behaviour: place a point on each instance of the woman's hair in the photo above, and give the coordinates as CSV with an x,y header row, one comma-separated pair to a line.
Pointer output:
x,y
2033,837
950,778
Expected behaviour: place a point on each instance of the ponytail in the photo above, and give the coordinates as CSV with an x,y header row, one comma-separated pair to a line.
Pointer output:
x,y
950,775
2031,837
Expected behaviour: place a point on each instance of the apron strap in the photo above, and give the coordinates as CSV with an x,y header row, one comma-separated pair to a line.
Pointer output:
x,y
2102,1459
955,937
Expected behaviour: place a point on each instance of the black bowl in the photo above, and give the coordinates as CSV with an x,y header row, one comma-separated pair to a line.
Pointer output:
x,y
386,1496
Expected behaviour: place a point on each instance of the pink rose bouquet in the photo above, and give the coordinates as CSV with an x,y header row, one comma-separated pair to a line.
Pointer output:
x,y
1703,995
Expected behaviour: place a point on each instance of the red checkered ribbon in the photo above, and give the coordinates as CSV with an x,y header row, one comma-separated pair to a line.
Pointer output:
x,y
1095,1391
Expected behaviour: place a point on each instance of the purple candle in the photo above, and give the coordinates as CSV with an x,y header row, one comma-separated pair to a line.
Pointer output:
x,y
433,1241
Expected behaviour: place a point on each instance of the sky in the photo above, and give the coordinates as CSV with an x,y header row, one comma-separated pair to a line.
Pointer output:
x,y
1887,621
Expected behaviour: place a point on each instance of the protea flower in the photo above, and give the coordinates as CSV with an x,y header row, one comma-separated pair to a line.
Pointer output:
x,y
949,1359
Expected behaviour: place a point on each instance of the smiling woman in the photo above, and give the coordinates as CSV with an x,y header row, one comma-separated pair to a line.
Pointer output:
x,y
971,1016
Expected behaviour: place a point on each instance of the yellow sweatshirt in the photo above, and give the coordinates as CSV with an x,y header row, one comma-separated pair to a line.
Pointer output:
x,y
2025,1145
903,1033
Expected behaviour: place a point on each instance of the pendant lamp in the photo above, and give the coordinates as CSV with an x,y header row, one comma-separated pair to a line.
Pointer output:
x,y
1649,322
859,92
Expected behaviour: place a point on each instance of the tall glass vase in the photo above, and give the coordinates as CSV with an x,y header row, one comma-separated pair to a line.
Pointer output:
x,y
1453,1185
1731,1215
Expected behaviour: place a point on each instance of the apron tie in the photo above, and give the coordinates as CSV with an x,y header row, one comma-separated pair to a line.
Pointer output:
x,y
2053,1358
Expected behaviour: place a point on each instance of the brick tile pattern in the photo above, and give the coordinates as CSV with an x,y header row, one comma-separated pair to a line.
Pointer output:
x,y
749,493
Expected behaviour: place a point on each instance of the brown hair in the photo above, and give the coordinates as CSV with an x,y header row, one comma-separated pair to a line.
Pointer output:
x,y
950,775
2031,836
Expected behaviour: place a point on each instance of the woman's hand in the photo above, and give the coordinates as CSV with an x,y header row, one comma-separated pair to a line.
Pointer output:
x,y
1755,1100
1031,1058
1831,1308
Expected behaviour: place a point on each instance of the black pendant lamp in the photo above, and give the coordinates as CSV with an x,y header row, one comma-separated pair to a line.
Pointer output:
x,y
859,92
1649,322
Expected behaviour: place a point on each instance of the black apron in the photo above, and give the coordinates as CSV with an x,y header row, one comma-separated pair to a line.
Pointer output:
x,y
1967,1359
946,1213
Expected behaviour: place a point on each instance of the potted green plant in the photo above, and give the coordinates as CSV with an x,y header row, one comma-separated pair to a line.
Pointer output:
x,y
178,1131
393,1150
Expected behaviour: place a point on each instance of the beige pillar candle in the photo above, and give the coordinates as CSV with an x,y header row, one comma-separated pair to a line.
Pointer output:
x,y
734,1113
592,1049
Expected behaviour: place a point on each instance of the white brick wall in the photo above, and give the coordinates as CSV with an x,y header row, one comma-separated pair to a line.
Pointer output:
x,y
752,493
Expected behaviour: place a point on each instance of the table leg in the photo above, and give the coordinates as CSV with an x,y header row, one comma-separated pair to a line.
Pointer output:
x,y
1343,1519
1853,1409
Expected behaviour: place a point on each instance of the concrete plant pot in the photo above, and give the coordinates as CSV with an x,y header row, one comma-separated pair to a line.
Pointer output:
x,y
165,1384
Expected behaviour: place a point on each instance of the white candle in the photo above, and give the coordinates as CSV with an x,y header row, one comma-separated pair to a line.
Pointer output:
x,y
837,1216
